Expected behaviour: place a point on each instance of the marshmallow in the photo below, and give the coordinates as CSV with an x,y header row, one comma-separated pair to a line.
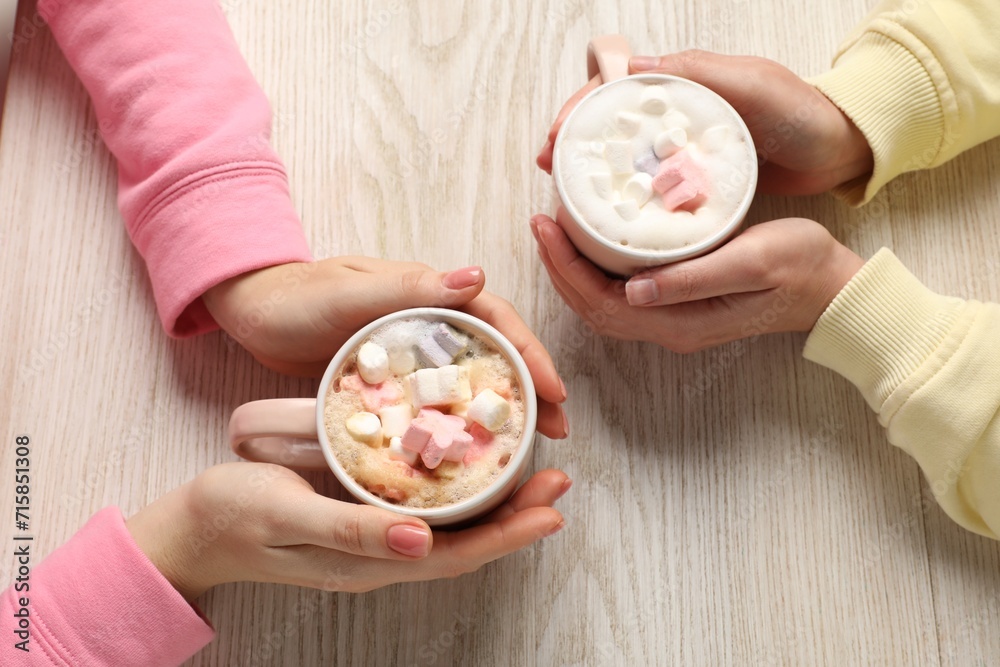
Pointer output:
x,y
441,346
688,195
597,148
675,118
619,156
602,184
402,360
373,363
373,396
714,139
431,354
395,419
399,453
462,410
490,410
639,188
627,209
669,142
365,427
673,170
646,163
628,122
654,100
437,437
438,386
450,340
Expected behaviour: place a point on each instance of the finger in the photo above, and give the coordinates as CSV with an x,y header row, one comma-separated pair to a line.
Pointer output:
x,y
387,291
738,267
362,530
502,315
726,75
569,294
552,420
576,269
471,548
542,490
544,159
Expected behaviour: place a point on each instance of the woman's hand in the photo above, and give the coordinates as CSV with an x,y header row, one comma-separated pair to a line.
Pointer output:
x,y
776,276
262,522
294,317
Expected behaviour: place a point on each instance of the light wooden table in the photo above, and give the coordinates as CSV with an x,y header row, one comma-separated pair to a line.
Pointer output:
x,y
763,520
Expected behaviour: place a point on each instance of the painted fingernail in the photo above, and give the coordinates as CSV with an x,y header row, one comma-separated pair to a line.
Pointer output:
x,y
556,528
565,425
640,292
408,540
643,62
462,278
565,487
562,388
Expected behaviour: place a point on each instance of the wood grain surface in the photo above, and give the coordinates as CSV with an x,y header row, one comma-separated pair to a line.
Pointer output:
x,y
738,506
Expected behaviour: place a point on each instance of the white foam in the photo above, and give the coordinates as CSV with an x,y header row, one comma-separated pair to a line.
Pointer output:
x,y
692,120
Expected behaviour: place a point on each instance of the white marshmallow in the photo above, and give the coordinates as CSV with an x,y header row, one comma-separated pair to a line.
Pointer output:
x,y
619,156
669,142
462,410
489,409
654,100
715,138
675,118
365,427
639,188
373,363
602,185
399,453
628,122
402,360
395,419
627,209
438,386
597,148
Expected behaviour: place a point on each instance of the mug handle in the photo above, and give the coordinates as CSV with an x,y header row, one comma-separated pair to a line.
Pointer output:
x,y
281,431
608,56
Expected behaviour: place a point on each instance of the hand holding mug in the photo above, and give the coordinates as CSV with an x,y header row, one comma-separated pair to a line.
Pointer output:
x,y
774,277
294,317
807,144
262,522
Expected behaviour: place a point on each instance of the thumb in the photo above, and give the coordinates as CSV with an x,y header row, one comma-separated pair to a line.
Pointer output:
x,y
389,292
361,530
732,77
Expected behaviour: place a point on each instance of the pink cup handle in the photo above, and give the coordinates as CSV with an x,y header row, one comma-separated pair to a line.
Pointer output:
x,y
281,431
608,56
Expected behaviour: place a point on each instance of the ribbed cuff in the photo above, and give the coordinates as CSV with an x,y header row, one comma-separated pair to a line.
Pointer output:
x,y
881,327
889,95
213,227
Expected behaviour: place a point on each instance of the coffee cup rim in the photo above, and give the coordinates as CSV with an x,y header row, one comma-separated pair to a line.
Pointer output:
x,y
525,444
657,257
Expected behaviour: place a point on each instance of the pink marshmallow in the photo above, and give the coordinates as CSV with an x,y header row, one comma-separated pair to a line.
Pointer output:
x,y
437,437
681,182
373,396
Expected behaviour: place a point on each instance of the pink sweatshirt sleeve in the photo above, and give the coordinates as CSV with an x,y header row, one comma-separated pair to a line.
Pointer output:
x,y
203,194
98,600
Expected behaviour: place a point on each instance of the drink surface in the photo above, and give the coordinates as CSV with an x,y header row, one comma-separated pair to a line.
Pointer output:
x,y
654,166
427,389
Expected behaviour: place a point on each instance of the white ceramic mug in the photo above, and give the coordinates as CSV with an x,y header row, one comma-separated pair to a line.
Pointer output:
x,y
291,432
608,57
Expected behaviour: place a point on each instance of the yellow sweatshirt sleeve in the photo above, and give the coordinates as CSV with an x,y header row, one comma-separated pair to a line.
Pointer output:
x,y
921,80
929,365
